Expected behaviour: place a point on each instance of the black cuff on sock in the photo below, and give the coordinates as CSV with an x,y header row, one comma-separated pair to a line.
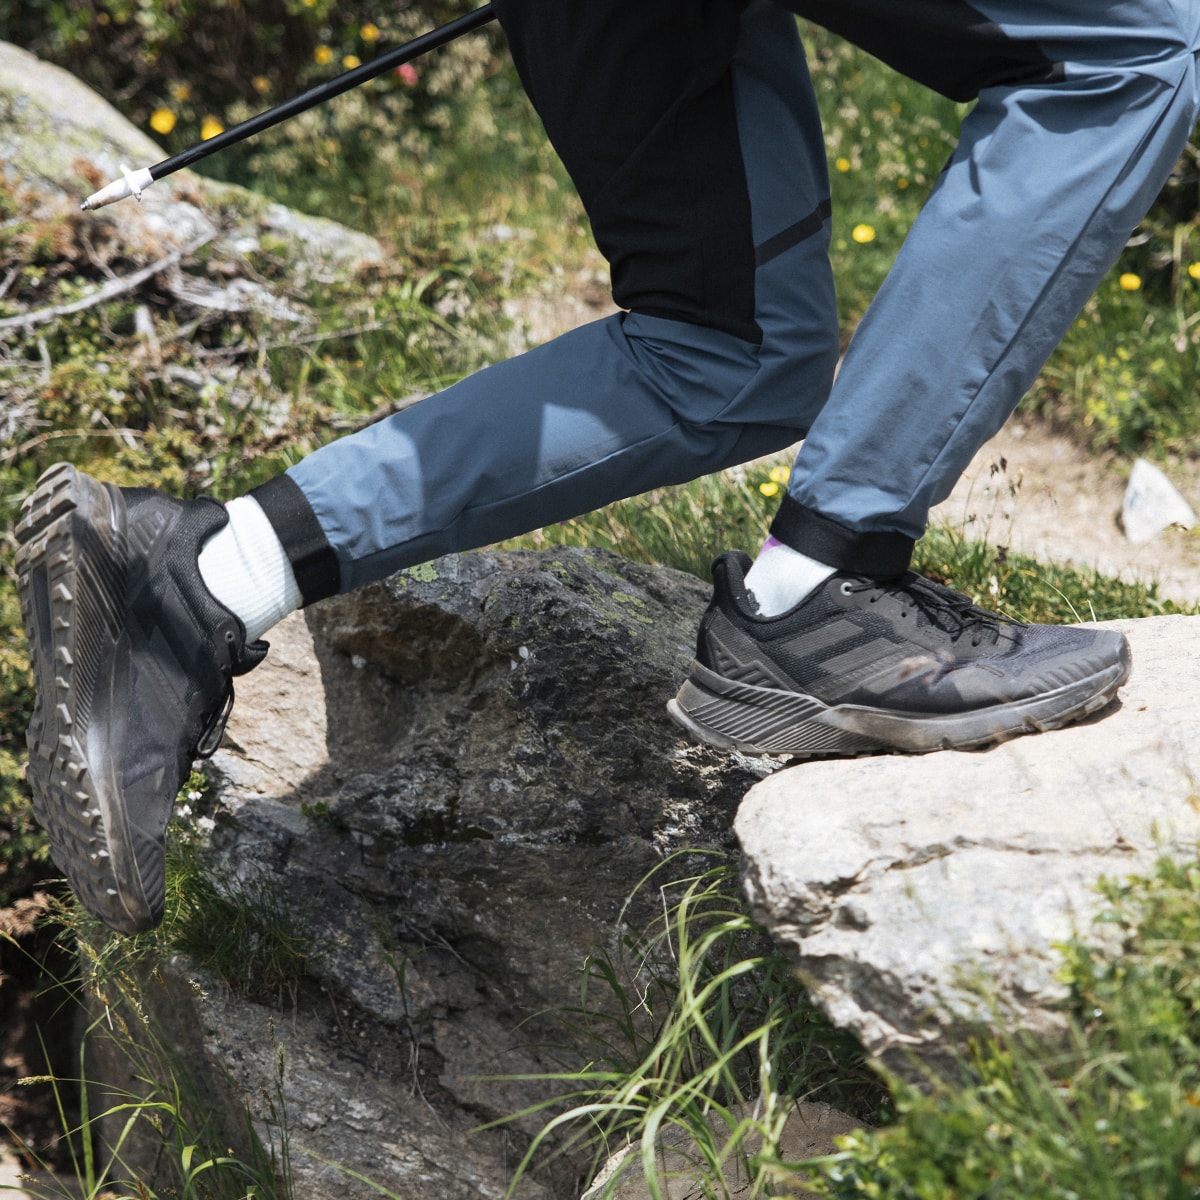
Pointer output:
x,y
880,555
313,561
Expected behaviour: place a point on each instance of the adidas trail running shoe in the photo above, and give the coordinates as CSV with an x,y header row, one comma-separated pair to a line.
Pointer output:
x,y
863,666
133,662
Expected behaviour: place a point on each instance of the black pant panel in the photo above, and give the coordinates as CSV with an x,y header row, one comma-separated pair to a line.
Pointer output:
x,y
637,98
945,44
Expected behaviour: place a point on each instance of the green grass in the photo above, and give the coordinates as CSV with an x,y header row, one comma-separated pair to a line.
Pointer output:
x,y
701,1028
714,1041
111,1131
1126,375
1110,1112
683,527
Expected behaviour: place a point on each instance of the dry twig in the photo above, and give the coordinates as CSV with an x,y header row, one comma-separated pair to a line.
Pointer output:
x,y
112,289
354,424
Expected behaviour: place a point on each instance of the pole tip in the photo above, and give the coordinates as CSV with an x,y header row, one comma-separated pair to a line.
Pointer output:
x,y
132,183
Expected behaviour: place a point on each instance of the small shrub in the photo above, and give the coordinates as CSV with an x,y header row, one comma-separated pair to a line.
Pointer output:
x,y
105,1130
176,67
249,932
24,852
1126,375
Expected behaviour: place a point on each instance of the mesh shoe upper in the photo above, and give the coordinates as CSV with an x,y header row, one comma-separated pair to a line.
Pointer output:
x,y
907,645
183,650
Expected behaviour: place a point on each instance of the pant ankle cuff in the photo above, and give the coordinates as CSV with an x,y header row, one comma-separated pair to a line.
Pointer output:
x,y
877,554
313,560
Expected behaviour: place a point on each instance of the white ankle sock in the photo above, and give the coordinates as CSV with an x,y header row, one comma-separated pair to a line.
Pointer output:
x,y
245,567
781,577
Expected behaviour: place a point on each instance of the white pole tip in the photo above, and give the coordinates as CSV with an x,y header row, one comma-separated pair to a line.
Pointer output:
x,y
132,183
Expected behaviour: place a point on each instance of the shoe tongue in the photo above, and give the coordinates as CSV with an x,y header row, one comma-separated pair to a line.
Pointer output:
x,y
729,575
252,654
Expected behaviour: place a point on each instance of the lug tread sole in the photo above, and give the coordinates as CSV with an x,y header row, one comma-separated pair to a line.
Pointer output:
x,y
71,605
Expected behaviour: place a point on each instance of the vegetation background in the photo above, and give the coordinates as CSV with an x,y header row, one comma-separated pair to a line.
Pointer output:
x,y
446,164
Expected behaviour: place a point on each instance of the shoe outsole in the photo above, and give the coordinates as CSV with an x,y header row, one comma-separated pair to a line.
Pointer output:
x,y
765,721
71,566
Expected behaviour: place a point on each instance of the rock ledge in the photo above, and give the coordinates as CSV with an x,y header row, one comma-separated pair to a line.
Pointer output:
x,y
925,896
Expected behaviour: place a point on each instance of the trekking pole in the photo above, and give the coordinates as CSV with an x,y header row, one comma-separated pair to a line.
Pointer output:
x,y
134,183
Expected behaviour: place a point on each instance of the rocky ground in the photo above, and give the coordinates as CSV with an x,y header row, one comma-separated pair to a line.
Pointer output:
x,y
1051,499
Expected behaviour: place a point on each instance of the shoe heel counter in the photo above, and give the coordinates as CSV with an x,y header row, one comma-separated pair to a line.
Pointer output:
x,y
708,636
720,641
728,650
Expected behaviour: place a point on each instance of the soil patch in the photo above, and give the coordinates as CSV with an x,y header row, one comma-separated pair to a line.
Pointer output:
x,y
1039,493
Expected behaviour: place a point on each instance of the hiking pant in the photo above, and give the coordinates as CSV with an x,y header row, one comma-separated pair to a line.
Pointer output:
x,y
691,132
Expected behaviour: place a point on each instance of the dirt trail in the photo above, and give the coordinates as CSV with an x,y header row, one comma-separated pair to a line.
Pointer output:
x,y
1056,501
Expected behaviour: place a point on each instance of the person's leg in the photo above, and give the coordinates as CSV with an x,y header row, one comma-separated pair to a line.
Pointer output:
x,y
718,250
727,352
1082,112
1083,109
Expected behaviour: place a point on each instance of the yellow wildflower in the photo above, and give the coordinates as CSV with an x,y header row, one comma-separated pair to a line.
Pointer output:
x,y
209,128
369,32
162,120
842,164
780,474
350,61
863,234
770,488
1194,271
322,55
1130,282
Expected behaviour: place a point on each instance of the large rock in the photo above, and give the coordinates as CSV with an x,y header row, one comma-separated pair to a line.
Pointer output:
x,y
924,897
458,779
61,141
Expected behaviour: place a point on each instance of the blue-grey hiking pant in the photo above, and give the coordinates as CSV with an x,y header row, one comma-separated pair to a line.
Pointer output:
x,y
691,132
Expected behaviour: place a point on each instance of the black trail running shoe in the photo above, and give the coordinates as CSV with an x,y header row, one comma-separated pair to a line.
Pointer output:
x,y
862,666
133,662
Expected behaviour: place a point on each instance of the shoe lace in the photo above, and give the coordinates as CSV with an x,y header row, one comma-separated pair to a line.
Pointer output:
x,y
214,731
241,659
948,610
